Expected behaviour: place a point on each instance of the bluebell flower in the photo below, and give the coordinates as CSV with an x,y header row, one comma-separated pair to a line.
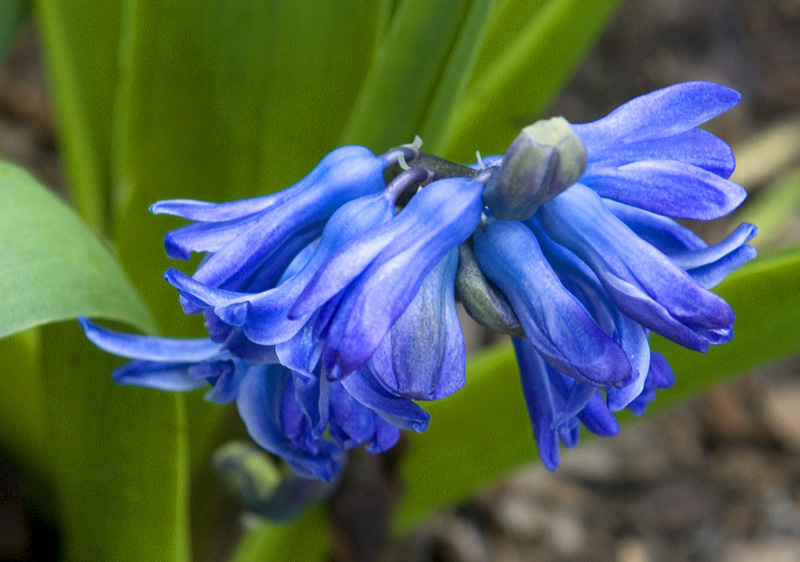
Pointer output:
x,y
331,306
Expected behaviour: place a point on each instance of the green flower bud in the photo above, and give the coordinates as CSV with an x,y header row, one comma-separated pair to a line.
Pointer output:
x,y
544,160
482,301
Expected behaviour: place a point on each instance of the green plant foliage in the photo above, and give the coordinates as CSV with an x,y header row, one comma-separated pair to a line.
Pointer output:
x,y
515,88
305,539
81,38
119,454
483,432
52,267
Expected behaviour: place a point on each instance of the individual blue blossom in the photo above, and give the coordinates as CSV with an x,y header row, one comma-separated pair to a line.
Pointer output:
x,y
330,306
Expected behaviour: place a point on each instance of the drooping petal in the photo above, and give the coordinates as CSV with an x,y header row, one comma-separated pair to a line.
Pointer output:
x,y
381,294
659,377
710,265
149,348
397,410
660,114
555,322
423,357
641,281
260,403
173,377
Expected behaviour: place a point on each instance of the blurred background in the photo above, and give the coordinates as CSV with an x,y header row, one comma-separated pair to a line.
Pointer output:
x,y
717,480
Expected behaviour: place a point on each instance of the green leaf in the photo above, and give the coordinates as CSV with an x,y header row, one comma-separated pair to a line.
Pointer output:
x,y
483,432
12,14
120,457
52,267
305,539
404,74
80,39
523,78
455,78
774,210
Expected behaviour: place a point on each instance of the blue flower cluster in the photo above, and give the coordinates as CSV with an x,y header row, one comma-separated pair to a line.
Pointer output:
x,y
331,305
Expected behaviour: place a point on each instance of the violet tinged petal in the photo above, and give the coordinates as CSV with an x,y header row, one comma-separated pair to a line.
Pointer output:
x,y
579,279
668,188
641,281
219,212
386,436
663,113
397,410
381,294
555,322
598,419
711,275
695,147
251,353
203,237
425,219
265,318
352,424
202,295
665,234
225,387
538,392
313,398
149,348
423,357
173,377
260,401
705,256
359,174
301,352
659,377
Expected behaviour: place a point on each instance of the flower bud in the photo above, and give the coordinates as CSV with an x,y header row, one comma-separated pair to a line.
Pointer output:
x,y
544,160
482,301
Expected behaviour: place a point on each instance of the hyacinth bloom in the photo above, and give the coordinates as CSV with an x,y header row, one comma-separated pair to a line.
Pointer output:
x,y
331,305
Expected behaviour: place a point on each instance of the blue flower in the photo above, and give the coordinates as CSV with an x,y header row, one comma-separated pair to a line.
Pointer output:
x,y
331,306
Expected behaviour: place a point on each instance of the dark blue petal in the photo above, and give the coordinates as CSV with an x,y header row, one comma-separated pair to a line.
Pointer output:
x,y
399,411
423,355
448,214
386,436
149,348
598,419
659,377
227,380
555,322
173,377
656,115
668,188
260,403
352,424
641,281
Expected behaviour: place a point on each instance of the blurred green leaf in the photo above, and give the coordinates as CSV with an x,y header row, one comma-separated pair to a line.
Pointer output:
x,y
775,211
455,77
483,431
52,267
523,78
119,454
12,14
404,74
305,540
21,430
80,39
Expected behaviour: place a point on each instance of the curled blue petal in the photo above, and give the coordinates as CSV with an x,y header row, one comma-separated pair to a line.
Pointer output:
x,y
149,348
659,231
674,189
173,377
660,114
710,265
644,283
397,410
555,322
423,356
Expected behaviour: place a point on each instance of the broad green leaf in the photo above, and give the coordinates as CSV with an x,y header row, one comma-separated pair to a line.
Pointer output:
x,y
120,457
305,539
404,74
12,14
455,78
512,91
483,432
52,267
80,39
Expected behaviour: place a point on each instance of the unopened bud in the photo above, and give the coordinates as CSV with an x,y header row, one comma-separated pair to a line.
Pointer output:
x,y
482,301
544,160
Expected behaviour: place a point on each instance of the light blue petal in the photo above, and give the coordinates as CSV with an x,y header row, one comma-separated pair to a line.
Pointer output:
x,y
661,232
172,377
